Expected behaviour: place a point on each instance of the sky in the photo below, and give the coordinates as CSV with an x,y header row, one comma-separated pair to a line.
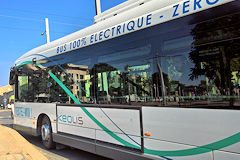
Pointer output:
x,y
22,22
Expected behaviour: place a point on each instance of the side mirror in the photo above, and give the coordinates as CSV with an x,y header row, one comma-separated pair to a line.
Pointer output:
x,y
12,76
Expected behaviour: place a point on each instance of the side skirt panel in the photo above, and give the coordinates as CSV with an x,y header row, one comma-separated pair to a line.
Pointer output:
x,y
96,147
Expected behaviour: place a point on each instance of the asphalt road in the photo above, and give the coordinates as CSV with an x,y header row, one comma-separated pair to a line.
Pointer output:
x,y
5,119
66,153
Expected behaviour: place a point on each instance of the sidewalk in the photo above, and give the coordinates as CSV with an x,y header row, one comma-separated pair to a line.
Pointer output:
x,y
5,110
14,147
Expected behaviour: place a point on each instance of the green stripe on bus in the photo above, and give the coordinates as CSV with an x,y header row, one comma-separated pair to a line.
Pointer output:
x,y
186,152
27,62
198,150
91,116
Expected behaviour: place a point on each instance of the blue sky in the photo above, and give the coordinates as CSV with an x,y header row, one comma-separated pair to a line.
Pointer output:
x,y
22,22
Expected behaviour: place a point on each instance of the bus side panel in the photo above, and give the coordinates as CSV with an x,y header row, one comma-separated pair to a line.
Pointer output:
x,y
226,155
161,145
102,125
23,115
218,129
104,136
46,108
26,114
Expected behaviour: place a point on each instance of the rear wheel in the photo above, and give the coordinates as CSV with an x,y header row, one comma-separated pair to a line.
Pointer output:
x,y
46,133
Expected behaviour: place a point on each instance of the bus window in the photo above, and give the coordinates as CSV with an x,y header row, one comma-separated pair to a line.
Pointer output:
x,y
23,88
203,71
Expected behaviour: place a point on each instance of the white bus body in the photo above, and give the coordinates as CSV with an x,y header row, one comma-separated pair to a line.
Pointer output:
x,y
113,106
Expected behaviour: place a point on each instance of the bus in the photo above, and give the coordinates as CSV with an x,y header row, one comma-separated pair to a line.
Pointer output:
x,y
150,79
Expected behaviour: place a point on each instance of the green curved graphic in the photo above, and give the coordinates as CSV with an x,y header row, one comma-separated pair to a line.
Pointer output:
x,y
28,62
119,139
91,116
186,152
198,150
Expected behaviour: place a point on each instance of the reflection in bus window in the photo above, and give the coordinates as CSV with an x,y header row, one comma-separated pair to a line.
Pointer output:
x,y
180,68
22,87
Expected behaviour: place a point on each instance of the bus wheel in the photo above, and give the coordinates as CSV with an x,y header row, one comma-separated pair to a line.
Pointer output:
x,y
46,133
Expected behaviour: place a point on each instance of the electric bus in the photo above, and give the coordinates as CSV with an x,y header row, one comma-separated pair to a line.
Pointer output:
x,y
150,79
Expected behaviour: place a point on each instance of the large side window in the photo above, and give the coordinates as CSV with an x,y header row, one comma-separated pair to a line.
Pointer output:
x,y
202,68
22,88
35,84
121,77
195,65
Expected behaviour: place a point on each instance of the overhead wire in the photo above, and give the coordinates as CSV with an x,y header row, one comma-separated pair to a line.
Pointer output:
x,y
38,20
45,13
27,29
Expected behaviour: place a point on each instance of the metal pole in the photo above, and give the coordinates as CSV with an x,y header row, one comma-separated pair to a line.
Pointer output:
x,y
162,81
47,30
162,85
98,7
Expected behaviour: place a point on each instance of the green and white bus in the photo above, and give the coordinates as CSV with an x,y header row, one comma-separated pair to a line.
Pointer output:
x,y
151,79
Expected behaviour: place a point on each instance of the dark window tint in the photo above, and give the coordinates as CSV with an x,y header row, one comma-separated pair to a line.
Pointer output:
x,y
174,64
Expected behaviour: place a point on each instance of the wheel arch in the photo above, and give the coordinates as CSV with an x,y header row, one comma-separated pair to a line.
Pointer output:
x,y
39,122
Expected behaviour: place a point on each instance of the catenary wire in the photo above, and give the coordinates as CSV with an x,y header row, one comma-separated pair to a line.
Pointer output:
x,y
45,13
39,20
28,29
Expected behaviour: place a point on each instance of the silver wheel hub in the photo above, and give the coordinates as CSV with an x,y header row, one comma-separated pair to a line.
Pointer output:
x,y
45,132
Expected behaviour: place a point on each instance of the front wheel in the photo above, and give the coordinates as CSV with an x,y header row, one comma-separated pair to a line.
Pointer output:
x,y
46,133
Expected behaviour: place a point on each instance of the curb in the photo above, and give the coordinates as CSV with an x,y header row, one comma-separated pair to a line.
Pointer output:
x,y
14,147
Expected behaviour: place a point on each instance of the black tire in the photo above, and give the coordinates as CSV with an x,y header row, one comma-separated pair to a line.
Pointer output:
x,y
46,133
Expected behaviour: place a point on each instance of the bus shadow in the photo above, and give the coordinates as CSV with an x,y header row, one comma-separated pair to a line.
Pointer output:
x,y
61,152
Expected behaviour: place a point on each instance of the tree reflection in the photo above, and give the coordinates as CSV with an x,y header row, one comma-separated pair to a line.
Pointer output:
x,y
96,77
215,53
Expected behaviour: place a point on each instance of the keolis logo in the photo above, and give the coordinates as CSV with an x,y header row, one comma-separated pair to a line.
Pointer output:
x,y
70,119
